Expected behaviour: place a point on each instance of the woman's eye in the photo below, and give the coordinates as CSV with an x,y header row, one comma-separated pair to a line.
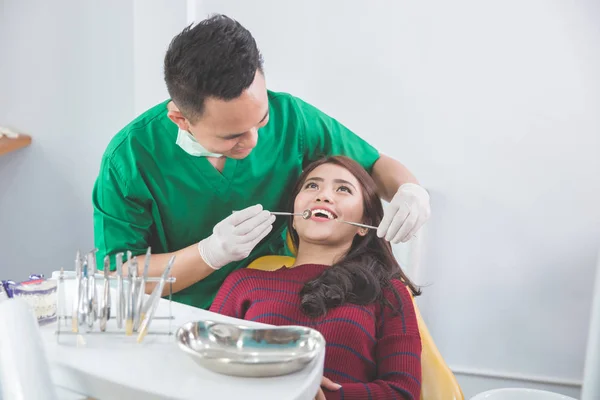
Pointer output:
x,y
311,185
345,189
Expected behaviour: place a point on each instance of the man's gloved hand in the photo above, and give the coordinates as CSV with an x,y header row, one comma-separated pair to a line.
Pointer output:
x,y
406,214
234,238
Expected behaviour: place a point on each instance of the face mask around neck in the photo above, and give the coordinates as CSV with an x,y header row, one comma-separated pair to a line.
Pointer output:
x,y
190,145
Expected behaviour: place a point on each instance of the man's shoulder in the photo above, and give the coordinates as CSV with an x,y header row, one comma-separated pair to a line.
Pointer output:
x,y
285,100
293,105
137,134
287,113
279,97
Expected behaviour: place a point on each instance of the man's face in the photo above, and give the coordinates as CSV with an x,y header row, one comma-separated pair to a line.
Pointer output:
x,y
231,127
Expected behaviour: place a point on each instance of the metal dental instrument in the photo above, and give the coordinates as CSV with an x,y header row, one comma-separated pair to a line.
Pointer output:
x,y
309,213
129,296
105,310
83,300
120,301
62,301
92,296
107,295
350,223
306,214
356,224
135,290
77,298
152,303
141,292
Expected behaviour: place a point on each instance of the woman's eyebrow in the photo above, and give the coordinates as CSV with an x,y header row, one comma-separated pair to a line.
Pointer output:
x,y
315,178
342,181
345,182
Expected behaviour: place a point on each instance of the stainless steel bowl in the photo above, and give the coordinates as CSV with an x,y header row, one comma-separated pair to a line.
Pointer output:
x,y
251,352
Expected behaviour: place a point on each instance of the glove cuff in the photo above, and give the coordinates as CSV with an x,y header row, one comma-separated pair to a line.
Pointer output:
x,y
204,250
415,189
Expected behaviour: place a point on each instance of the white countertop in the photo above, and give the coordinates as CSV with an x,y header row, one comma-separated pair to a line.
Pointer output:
x,y
111,366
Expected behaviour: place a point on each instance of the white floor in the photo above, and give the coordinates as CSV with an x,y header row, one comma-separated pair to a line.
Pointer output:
x,y
472,385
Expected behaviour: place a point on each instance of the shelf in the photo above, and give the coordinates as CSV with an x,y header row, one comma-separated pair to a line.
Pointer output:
x,y
11,144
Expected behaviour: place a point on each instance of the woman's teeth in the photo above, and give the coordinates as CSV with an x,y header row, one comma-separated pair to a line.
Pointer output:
x,y
325,213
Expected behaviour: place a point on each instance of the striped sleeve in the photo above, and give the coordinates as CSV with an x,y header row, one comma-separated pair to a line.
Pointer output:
x,y
230,297
398,356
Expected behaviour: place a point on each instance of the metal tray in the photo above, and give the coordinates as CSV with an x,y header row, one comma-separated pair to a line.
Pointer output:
x,y
250,352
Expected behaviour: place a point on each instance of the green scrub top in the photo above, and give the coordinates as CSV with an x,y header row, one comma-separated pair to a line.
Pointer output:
x,y
150,192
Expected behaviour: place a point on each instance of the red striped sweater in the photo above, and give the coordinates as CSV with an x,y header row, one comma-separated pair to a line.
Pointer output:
x,y
372,352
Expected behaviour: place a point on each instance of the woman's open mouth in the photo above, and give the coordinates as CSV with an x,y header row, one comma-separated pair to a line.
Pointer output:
x,y
321,214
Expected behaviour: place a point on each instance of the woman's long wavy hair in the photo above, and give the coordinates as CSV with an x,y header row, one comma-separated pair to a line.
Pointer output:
x,y
362,274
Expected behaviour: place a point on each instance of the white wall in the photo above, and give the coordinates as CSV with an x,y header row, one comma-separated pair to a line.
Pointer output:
x,y
72,74
66,78
494,106
155,23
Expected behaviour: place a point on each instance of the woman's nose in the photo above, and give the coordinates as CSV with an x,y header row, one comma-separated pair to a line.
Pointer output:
x,y
323,197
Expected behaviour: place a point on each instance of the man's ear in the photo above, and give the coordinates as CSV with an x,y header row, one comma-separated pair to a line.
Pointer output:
x,y
177,117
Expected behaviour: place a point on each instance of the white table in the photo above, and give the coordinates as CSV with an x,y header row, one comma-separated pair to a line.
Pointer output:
x,y
115,366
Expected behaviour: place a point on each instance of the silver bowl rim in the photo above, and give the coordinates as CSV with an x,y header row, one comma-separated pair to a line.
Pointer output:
x,y
310,355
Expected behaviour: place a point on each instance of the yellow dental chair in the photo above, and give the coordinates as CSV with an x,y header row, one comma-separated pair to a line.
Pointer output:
x,y
437,382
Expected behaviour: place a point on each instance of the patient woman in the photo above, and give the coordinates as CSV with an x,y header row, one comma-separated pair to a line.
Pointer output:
x,y
345,283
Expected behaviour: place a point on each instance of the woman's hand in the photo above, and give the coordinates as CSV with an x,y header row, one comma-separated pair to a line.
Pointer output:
x,y
327,384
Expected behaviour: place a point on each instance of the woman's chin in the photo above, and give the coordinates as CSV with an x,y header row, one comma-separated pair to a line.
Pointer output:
x,y
323,238
318,239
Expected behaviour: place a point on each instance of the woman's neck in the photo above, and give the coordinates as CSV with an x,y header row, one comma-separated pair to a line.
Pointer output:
x,y
311,253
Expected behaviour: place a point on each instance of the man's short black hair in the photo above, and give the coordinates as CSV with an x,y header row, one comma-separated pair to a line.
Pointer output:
x,y
216,58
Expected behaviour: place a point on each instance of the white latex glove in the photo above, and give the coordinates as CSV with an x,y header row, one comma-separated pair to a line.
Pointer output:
x,y
406,214
234,238
8,132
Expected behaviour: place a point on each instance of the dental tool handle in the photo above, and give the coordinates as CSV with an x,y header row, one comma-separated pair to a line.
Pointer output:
x,y
62,300
119,304
285,213
129,309
357,224
306,214
129,298
92,302
120,299
130,293
105,313
83,295
104,306
77,298
154,299
141,292
92,311
108,299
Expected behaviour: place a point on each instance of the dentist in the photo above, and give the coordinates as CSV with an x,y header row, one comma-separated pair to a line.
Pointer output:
x,y
171,178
